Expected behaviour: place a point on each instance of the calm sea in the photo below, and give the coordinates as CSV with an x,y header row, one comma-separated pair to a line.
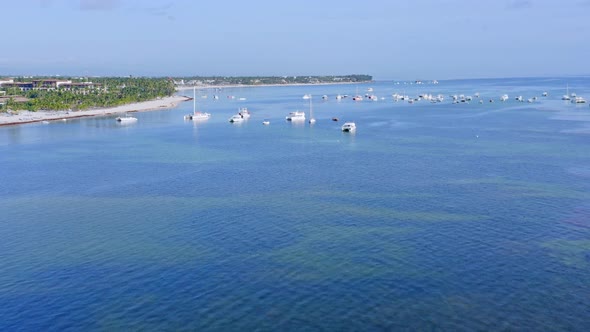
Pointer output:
x,y
439,216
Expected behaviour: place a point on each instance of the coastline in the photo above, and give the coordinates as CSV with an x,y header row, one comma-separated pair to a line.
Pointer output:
x,y
29,117
205,86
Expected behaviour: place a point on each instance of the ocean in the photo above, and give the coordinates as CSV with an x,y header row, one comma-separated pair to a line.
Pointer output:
x,y
431,216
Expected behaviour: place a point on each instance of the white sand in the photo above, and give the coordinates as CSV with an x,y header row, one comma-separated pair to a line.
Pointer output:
x,y
26,116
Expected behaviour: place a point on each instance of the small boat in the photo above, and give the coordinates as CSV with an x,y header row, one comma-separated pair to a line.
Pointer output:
x,y
266,122
334,119
325,97
244,112
579,100
236,118
545,94
295,116
504,98
125,119
348,127
306,96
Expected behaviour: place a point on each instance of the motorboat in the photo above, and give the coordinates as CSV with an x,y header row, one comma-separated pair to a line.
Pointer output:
x,y
236,118
244,112
579,100
306,96
348,127
266,122
296,116
126,119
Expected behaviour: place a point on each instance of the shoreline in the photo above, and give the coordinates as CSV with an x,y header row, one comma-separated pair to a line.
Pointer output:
x,y
24,117
212,86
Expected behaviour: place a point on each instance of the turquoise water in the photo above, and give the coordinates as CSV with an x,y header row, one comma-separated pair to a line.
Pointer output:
x,y
432,216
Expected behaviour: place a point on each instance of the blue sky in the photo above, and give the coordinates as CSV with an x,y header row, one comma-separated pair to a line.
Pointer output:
x,y
389,39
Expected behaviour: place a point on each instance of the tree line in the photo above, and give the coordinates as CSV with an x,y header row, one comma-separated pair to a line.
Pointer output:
x,y
106,92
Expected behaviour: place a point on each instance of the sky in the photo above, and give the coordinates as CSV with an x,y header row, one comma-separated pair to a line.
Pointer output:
x,y
388,39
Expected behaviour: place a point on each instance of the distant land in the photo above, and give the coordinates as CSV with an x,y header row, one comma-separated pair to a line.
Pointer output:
x,y
80,93
268,80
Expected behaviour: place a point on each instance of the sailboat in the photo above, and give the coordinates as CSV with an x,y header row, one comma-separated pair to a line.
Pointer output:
x,y
566,96
196,116
311,118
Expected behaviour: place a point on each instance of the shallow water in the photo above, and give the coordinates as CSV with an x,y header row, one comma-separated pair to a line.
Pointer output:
x,y
432,216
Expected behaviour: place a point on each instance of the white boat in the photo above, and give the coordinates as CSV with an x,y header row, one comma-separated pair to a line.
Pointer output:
x,y
236,118
545,94
196,116
126,119
244,112
266,122
325,97
311,118
519,98
579,100
504,98
566,96
306,96
348,127
296,116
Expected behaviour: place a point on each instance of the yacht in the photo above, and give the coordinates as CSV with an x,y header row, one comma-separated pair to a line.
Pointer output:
x,y
579,100
236,118
295,116
244,112
349,127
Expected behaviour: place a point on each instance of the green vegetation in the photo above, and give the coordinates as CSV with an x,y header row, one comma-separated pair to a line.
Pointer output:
x,y
102,92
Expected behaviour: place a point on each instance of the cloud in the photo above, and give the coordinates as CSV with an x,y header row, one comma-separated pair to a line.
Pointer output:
x,y
519,4
99,5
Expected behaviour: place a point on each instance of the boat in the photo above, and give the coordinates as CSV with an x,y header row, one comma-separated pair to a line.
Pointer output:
x,y
311,118
334,119
325,97
579,100
545,94
348,127
126,119
244,112
504,98
236,118
196,116
296,116
266,122
566,96
306,96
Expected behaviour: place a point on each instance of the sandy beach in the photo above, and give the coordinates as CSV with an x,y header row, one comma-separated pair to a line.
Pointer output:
x,y
22,117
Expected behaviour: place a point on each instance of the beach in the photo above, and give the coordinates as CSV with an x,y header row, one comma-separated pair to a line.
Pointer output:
x,y
22,117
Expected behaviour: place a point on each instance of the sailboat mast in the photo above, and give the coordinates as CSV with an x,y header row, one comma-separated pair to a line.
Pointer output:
x,y
194,99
